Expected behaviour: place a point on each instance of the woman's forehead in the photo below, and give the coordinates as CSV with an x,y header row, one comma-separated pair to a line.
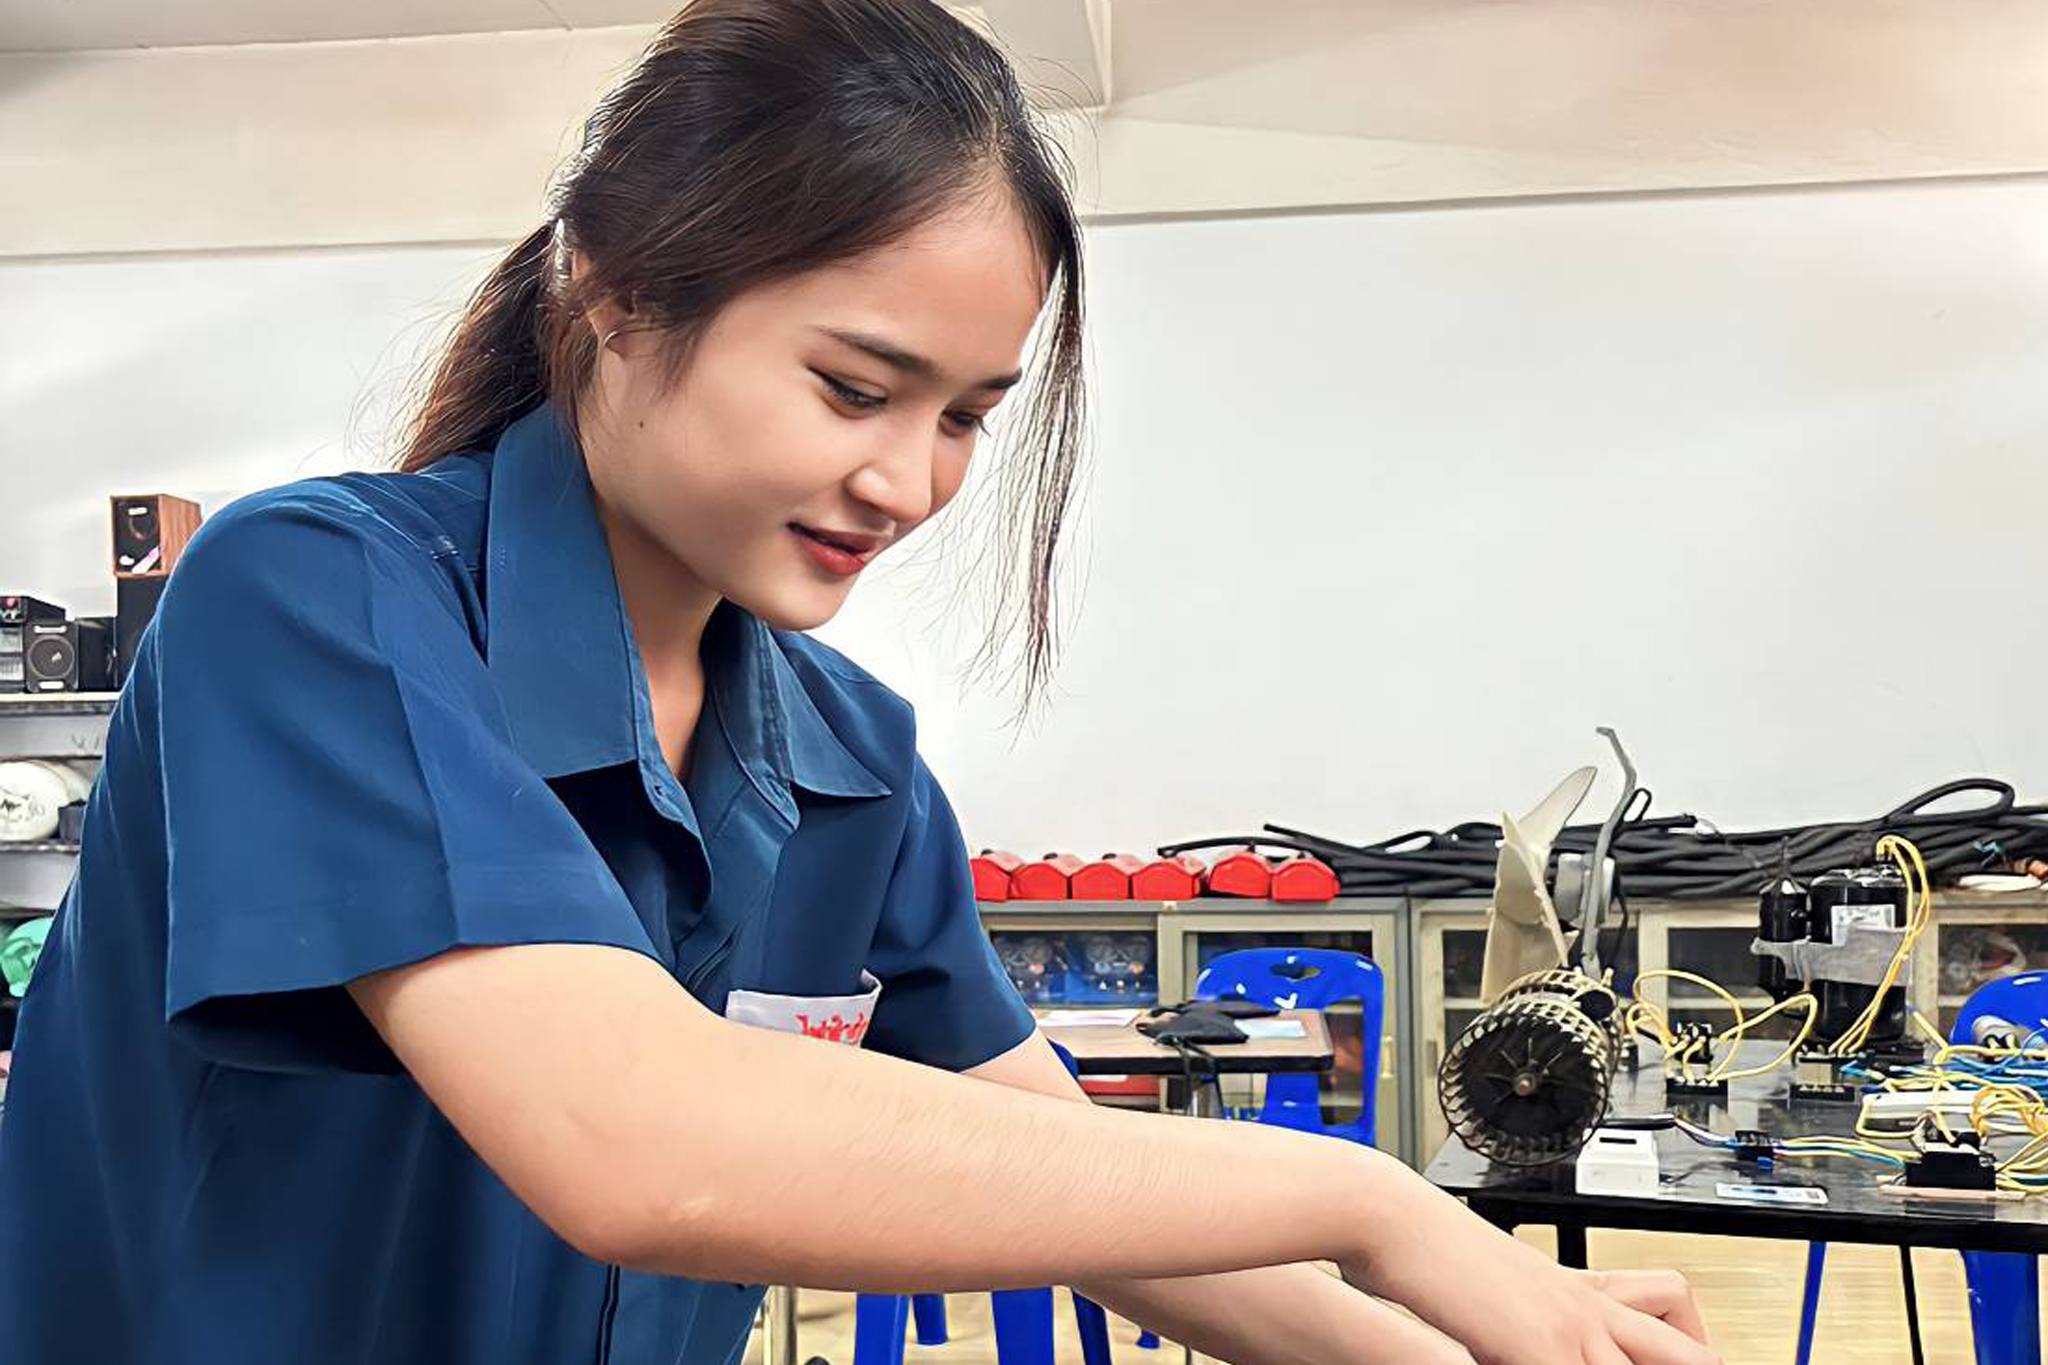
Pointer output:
x,y
963,291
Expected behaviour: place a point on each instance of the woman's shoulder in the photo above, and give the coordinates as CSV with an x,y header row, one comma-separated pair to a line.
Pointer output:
x,y
426,517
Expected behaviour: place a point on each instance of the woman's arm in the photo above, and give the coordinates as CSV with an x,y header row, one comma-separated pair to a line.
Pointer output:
x,y
650,1133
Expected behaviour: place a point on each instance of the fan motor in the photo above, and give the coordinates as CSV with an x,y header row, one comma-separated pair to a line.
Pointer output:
x,y
1528,1081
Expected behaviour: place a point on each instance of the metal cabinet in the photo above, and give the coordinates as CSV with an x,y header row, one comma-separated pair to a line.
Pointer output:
x,y
1978,938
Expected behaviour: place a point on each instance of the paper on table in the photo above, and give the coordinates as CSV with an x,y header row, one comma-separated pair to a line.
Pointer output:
x,y
1087,1018
1772,1194
1272,1028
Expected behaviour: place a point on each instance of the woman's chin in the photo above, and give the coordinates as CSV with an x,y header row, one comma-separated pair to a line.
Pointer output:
x,y
795,608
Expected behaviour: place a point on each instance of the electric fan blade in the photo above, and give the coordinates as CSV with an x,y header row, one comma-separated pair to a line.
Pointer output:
x,y
1522,930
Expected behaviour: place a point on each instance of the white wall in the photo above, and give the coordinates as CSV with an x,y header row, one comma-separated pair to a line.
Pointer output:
x,y
206,375
1389,509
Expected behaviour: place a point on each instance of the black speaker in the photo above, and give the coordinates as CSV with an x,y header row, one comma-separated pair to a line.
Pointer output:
x,y
19,611
150,531
136,600
67,656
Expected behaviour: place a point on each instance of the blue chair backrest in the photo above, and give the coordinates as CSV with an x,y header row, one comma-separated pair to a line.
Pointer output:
x,y
2020,1001
1308,979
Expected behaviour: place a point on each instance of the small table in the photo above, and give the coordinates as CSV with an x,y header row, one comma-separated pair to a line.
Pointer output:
x,y
1112,1050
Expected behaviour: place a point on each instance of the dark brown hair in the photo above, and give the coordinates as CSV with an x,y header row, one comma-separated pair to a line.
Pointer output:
x,y
755,140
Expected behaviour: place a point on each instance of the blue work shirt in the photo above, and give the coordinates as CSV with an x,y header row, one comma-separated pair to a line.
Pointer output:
x,y
381,716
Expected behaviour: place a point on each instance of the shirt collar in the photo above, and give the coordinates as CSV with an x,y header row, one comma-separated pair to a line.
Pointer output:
x,y
561,649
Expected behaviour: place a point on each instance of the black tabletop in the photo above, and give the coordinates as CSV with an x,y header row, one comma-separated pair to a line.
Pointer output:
x,y
1857,1209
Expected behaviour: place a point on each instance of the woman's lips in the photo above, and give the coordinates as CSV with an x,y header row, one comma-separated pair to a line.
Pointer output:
x,y
840,555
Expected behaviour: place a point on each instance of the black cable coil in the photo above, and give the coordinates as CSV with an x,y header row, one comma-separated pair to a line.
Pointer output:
x,y
1678,856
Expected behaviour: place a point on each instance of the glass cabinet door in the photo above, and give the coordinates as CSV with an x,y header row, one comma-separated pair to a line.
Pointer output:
x,y
1062,962
1975,947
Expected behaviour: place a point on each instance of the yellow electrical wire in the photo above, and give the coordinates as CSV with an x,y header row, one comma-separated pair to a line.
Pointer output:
x,y
1720,1071
1920,914
1930,1030
1681,1061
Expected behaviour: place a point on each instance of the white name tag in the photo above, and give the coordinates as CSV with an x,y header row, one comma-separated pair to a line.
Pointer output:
x,y
834,1018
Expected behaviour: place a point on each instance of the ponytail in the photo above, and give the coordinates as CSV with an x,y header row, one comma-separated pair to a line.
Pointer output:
x,y
491,375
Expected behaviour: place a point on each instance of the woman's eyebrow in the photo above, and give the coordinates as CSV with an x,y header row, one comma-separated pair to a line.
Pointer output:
x,y
909,362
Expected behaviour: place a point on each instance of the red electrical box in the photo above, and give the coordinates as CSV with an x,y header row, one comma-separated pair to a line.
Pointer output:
x,y
993,869
1169,879
1048,879
1243,873
1302,878
1108,878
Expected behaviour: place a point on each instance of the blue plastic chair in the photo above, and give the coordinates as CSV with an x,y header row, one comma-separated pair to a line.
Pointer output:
x,y
2005,1287
1023,1319
1309,979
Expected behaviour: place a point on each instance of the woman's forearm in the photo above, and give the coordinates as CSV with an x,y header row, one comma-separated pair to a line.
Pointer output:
x,y
653,1134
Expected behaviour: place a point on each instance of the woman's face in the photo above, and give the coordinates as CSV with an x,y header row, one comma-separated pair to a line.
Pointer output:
x,y
818,421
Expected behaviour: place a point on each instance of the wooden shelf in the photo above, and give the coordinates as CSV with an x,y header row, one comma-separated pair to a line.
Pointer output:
x,y
57,703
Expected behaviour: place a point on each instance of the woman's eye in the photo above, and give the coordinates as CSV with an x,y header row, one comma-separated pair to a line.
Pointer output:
x,y
966,423
849,395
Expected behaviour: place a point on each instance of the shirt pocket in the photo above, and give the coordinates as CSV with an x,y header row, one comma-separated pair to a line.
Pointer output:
x,y
834,1018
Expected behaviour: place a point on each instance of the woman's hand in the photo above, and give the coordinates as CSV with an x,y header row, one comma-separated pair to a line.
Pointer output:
x,y
1509,1304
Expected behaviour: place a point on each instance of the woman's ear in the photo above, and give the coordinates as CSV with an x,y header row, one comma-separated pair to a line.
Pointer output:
x,y
606,318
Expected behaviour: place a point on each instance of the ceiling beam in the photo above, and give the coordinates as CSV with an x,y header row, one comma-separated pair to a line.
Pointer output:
x,y
1060,47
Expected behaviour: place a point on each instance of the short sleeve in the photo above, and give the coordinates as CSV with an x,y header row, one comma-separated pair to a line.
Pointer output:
x,y
341,793
946,1001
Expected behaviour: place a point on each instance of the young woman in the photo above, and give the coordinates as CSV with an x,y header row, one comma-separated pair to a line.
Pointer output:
x,y
476,842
